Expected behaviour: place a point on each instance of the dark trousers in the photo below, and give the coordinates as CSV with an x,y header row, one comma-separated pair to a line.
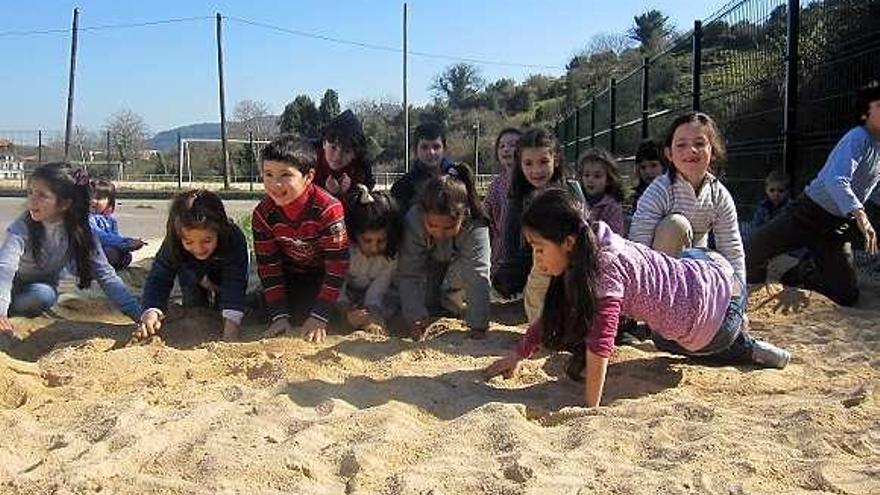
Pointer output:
x,y
806,224
118,258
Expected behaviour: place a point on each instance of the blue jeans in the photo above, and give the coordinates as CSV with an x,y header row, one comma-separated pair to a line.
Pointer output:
x,y
32,299
731,344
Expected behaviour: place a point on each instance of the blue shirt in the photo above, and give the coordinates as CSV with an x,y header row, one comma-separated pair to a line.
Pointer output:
x,y
107,229
850,174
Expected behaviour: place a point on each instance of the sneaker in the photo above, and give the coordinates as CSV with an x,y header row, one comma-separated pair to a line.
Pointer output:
x,y
770,356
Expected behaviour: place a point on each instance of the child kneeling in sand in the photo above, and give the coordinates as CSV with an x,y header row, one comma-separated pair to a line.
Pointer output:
x,y
54,234
208,254
300,241
694,305
373,221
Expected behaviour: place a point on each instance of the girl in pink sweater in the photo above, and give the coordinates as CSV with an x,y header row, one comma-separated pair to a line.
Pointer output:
x,y
694,304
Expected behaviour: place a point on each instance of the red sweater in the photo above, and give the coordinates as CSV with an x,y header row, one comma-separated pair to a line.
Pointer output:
x,y
306,236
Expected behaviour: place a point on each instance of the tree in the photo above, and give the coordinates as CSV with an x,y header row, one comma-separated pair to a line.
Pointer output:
x,y
652,30
329,107
251,116
457,84
128,133
300,116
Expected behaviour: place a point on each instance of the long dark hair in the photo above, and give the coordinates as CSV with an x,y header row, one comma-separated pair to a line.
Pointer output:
x,y
453,194
373,211
613,182
570,303
196,209
74,188
537,137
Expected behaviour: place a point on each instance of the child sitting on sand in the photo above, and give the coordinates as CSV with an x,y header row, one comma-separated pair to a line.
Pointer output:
x,y
117,248
51,236
695,305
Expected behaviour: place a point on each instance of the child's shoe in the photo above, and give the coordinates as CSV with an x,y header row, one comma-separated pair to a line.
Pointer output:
x,y
770,356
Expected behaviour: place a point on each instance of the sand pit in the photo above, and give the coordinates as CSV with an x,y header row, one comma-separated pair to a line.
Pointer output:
x,y
81,412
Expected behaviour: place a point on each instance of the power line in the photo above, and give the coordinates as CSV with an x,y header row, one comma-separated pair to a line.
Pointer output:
x,y
107,26
386,48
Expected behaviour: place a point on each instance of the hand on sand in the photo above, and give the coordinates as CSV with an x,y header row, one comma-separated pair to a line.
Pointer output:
x,y
314,330
151,322
230,331
6,325
278,327
418,329
506,366
357,317
867,230
135,244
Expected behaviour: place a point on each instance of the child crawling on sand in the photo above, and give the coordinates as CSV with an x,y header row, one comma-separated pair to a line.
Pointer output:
x,y
695,305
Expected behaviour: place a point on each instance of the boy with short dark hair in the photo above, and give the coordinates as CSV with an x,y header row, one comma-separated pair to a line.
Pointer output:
x,y
299,239
431,161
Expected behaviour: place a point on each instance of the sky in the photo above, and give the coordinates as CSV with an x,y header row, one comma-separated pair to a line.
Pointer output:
x,y
167,72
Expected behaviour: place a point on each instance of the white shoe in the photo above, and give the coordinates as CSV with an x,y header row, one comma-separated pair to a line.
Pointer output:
x,y
770,356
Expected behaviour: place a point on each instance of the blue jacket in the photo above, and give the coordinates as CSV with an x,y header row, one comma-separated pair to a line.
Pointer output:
x,y
107,229
227,267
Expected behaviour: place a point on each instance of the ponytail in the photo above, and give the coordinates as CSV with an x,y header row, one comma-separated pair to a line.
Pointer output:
x,y
453,194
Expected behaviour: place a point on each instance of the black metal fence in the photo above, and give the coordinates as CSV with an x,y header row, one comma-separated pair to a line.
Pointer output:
x,y
776,111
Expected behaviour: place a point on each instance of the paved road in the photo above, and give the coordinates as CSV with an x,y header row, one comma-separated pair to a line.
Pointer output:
x,y
143,218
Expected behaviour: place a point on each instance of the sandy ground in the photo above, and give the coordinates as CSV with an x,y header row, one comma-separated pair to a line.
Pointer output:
x,y
83,412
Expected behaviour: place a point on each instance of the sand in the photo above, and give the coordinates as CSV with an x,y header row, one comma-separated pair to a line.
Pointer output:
x,y
82,412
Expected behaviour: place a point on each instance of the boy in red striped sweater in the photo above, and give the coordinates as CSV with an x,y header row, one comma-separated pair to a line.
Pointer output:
x,y
300,241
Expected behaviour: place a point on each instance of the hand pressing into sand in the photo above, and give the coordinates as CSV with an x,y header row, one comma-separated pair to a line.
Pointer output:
x,y
6,325
231,330
151,322
278,327
506,366
867,230
314,330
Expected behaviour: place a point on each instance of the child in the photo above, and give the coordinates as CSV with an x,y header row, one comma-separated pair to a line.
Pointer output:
x,y
445,252
54,234
695,305
103,222
430,146
300,241
373,222
208,254
827,215
776,191
682,207
342,156
602,188
649,166
495,203
538,166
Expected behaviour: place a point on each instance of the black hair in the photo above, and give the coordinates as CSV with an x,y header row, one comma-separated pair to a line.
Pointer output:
x,y
429,131
504,132
346,131
648,150
101,189
864,96
453,194
716,140
365,211
536,137
292,150
613,182
73,188
196,209
571,299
